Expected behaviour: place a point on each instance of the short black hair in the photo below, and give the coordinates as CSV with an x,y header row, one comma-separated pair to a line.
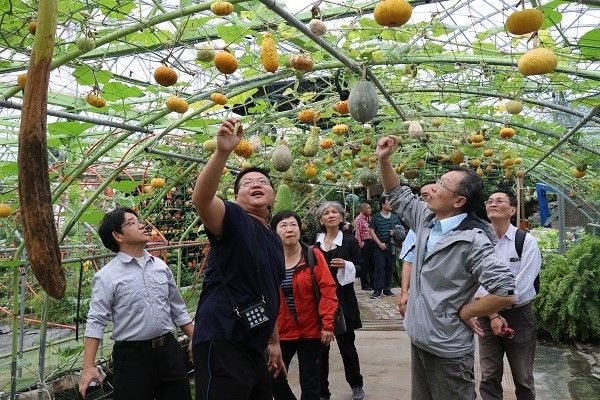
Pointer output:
x,y
512,198
236,184
470,187
112,222
285,214
382,200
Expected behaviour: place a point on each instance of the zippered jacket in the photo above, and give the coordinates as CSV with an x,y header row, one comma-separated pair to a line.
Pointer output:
x,y
447,277
309,323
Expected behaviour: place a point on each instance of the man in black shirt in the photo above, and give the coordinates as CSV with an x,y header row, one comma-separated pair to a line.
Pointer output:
x,y
245,268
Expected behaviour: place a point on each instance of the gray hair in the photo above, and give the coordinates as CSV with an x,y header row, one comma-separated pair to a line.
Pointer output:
x,y
324,206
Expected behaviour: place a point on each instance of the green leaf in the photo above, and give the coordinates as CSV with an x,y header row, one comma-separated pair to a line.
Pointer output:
x,y
125,186
589,44
113,91
8,168
8,264
231,34
484,48
242,97
551,18
70,128
490,32
396,35
85,75
92,216
117,9
589,101
259,106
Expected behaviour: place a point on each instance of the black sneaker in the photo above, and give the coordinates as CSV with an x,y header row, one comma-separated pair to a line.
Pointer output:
x,y
375,295
389,293
358,393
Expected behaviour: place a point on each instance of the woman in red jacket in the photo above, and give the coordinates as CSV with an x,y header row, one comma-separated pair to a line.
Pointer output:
x,y
303,324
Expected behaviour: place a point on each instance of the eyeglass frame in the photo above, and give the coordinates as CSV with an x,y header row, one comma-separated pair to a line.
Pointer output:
x,y
440,183
250,182
490,202
132,222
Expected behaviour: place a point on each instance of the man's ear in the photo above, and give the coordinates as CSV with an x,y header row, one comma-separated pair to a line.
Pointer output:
x,y
118,236
460,202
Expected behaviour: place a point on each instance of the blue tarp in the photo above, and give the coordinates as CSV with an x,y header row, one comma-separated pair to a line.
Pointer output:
x,y
541,189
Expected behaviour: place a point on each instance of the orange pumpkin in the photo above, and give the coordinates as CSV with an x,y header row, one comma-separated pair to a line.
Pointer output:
x,y
165,76
218,98
225,62
308,116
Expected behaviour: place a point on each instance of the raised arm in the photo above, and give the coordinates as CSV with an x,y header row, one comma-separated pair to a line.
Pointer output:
x,y
385,148
210,208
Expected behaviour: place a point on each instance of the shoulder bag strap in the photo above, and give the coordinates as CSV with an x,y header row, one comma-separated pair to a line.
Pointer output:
x,y
311,262
519,241
222,279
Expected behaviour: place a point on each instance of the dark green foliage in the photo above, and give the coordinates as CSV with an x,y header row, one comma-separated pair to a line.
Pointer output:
x,y
568,305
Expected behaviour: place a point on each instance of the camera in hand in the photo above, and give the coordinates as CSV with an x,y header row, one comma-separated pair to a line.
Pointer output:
x,y
94,391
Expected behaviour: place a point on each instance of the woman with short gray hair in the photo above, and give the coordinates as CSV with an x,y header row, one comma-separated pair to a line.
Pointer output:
x,y
343,256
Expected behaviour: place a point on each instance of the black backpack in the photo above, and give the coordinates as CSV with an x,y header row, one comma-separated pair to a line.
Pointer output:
x,y
519,241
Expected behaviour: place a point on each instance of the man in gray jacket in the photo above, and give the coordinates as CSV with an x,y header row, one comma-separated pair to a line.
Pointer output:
x,y
454,254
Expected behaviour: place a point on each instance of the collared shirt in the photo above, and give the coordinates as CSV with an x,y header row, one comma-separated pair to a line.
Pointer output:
x,y
344,275
441,227
407,253
141,301
525,269
361,226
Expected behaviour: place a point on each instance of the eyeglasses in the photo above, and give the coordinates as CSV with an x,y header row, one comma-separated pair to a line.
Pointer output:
x,y
439,182
491,202
130,223
251,182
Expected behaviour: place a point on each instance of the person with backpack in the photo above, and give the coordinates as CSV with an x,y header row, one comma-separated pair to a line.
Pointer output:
x,y
511,331
308,306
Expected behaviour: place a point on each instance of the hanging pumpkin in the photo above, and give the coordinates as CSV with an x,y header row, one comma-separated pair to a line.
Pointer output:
x,y
537,62
225,62
392,12
524,21
363,102
268,53
301,62
165,76
221,8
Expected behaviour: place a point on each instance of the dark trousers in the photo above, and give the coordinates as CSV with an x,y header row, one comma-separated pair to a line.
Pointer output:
x,y
520,352
366,276
146,373
383,266
439,378
309,356
349,355
225,369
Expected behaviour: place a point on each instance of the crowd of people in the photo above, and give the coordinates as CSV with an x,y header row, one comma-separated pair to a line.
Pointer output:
x,y
267,296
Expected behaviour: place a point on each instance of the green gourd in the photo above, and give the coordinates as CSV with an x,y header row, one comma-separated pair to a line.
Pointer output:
x,y
283,198
363,102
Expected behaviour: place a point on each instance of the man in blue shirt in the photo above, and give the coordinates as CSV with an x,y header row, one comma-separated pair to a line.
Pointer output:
x,y
245,269
137,293
454,254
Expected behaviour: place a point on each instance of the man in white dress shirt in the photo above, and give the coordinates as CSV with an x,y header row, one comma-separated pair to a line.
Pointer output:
x,y
520,350
136,291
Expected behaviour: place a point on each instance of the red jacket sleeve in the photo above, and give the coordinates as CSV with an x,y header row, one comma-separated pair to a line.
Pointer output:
x,y
327,287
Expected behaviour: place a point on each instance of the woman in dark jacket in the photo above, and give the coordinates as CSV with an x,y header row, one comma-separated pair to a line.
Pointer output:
x,y
305,319
343,255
